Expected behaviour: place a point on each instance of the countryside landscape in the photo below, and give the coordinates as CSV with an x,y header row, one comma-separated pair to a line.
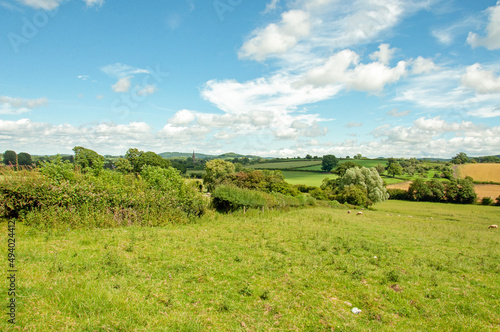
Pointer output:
x,y
235,242
250,165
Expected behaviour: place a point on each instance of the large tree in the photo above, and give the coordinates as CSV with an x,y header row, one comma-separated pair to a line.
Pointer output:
x,y
10,157
394,169
216,171
24,159
138,159
460,158
88,159
369,179
329,162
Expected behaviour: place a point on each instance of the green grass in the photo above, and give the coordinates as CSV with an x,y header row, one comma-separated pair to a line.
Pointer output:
x,y
301,270
286,164
307,178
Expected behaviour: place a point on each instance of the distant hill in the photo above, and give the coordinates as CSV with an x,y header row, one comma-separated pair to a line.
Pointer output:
x,y
229,155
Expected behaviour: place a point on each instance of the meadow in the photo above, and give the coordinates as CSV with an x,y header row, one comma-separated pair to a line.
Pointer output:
x,y
293,164
307,178
407,266
363,162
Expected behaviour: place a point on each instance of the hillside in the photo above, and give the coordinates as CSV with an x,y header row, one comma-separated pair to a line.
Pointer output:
x,y
229,155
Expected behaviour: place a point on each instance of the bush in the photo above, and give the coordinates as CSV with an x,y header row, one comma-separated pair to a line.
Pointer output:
x,y
398,194
228,198
498,201
486,201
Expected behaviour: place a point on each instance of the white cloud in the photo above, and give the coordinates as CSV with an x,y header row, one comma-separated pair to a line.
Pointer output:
x,y
182,118
423,66
486,112
277,38
147,90
384,54
271,6
363,77
120,70
492,39
353,124
123,85
10,105
94,3
482,81
41,4
395,113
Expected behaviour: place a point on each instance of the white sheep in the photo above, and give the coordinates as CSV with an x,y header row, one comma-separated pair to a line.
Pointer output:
x,y
359,213
493,226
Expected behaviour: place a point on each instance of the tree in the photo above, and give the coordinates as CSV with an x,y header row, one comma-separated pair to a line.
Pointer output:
x,y
139,159
460,158
329,162
24,159
369,179
10,157
380,168
308,156
419,190
394,169
123,165
88,159
342,168
216,171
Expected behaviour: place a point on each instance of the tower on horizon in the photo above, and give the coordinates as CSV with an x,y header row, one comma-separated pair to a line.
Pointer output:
x,y
194,158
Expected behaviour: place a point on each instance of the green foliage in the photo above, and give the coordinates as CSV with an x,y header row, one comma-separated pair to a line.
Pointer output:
x,y
124,165
24,159
139,159
455,191
486,201
160,196
398,194
394,169
343,167
369,179
354,194
329,162
216,171
460,158
228,198
88,160
10,157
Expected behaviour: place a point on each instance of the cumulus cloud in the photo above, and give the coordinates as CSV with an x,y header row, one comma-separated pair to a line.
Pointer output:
x,y
492,39
384,54
271,6
182,118
344,68
10,105
481,81
277,38
123,85
423,66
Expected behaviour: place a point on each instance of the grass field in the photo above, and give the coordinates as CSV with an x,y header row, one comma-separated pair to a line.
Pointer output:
x,y
286,164
480,172
302,270
307,178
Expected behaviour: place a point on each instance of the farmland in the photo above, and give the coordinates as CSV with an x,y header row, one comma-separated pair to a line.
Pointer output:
x,y
287,164
307,178
273,271
480,172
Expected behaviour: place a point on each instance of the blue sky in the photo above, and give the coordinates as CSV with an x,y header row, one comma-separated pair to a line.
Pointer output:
x,y
271,77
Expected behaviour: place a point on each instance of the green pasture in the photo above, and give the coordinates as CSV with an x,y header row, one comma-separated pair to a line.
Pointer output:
x,y
286,164
307,178
301,270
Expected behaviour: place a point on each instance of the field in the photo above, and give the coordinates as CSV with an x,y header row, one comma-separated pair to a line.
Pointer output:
x,y
302,270
307,178
286,164
480,172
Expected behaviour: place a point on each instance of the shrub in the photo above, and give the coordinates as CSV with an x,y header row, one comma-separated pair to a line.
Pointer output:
x,y
498,201
398,194
486,201
229,198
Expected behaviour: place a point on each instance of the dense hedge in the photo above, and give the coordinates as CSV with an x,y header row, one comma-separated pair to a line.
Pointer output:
x,y
158,196
231,198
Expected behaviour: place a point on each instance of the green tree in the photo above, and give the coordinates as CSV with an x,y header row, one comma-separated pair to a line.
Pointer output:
x,y
354,194
88,159
216,171
10,157
466,193
308,156
343,167
24,159
369,179
394,169
460,158
123,165
380,168
139,159
419,190
329,162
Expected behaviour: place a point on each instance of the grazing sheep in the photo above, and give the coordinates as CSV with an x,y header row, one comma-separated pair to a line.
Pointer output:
x,y
359,213
348,211
493,226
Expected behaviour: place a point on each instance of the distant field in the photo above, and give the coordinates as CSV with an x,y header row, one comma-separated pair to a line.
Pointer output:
x,y
286,164
480,172
482,190
307,178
